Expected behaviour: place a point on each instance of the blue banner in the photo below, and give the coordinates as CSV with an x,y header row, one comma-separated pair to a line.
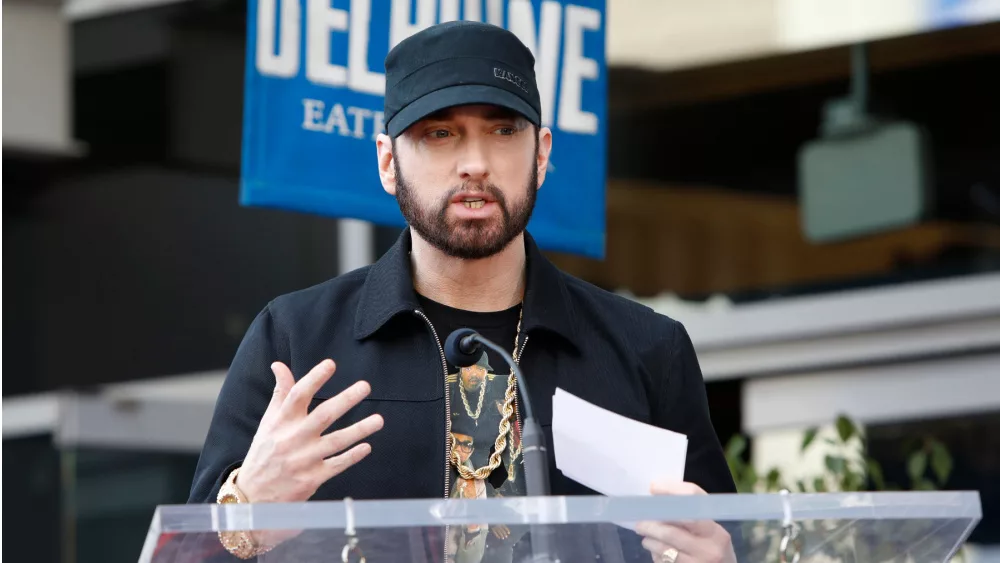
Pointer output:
x,y
314,92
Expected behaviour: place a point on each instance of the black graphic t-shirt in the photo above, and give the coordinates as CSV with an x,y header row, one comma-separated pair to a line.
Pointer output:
x,y
477,398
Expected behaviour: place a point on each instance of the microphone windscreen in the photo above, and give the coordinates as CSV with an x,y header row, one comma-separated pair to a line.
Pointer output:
x,y
454,352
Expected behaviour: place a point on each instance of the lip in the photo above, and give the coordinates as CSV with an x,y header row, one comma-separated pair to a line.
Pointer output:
x,y
486,211
459,198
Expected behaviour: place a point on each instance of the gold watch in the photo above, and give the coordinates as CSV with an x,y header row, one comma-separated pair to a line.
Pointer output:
x,y
239,543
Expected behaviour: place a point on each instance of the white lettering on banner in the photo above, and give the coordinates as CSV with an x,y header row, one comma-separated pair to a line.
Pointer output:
x,y
286,62
314,111
558,26
322,20
449,11
359,115
494,12
315,119
401,23
472,11
359,77
577,68
379,124
545,47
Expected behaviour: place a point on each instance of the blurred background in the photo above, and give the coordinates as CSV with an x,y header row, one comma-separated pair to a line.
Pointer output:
x,y
812,187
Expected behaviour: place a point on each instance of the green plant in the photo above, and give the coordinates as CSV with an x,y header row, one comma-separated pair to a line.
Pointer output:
x,y
847,467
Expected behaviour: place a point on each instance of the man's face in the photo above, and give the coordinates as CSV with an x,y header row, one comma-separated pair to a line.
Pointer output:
x,y
463,446
466,178
473,376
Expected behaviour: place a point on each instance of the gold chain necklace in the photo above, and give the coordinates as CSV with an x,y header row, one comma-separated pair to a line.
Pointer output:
x,y
505,427
465,400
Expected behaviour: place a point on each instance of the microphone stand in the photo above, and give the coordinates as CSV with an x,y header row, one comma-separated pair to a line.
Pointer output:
x,y
534,452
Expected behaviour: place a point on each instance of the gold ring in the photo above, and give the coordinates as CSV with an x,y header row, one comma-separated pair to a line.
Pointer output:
x,y
669,555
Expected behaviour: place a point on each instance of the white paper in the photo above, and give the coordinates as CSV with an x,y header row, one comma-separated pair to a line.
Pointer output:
x,y
612,454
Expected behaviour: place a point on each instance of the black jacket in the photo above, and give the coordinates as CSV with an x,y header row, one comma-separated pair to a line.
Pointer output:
x,y
601,347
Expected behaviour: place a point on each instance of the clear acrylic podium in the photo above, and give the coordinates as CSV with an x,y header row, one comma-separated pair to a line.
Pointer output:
x,y
912,527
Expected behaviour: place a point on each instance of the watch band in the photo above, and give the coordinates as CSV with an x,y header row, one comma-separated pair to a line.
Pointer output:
x,y
238,543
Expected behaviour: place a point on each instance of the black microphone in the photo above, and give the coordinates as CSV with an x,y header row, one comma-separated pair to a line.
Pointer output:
x,y
463,348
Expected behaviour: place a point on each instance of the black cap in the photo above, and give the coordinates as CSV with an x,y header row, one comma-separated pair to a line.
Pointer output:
x,y
458,63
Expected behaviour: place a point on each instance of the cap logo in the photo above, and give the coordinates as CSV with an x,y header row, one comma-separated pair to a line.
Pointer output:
x,y
510,77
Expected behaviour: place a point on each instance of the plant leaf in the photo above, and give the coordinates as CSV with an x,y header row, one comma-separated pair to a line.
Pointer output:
x,y
736,446
801,485
836,464
852,481
859,481
808,438
845,428
773,480
819,485
941,462
751,478
845,483
875,473
917,465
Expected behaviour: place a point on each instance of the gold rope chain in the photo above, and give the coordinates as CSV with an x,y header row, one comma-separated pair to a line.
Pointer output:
x,y
465,400
508,412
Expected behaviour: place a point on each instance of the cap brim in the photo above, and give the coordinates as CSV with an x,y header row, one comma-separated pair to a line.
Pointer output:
x,y
461,95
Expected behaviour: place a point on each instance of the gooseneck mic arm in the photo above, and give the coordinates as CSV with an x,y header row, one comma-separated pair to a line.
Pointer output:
x,y
463,348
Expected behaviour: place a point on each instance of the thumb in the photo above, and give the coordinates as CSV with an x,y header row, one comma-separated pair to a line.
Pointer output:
x,y
666,487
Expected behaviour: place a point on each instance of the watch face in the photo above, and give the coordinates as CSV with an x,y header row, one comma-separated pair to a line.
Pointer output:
x,y
228,498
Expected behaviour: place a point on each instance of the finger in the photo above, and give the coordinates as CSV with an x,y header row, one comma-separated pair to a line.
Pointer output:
x,y
333,408
656,548
702,528
336,442
708,549
671,535
337,464
676,488
302,392
283,382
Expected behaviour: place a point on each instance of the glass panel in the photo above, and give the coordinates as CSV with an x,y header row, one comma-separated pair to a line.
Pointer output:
x,y
109,496
865,527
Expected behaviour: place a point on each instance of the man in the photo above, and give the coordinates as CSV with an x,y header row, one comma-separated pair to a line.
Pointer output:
x,y
464,154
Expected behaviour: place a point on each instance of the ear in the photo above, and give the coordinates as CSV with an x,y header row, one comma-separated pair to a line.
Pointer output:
x,y
386,168
544,149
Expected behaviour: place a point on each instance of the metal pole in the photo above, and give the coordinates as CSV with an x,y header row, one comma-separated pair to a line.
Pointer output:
x,y
859,77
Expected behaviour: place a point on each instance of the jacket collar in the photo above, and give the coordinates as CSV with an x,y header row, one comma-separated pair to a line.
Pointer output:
x,y
388,291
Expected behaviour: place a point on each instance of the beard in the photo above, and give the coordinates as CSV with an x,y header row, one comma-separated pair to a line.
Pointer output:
x,y
467,239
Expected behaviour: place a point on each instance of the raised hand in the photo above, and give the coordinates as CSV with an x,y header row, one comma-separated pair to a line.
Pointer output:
x,y
291,456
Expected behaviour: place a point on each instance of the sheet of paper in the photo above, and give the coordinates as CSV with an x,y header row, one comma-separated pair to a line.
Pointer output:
x,y
612,454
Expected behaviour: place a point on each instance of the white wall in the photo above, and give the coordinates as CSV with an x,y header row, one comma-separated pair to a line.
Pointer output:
x,y
37,110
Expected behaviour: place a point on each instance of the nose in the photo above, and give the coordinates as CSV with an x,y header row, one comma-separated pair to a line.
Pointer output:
x,y
473,163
